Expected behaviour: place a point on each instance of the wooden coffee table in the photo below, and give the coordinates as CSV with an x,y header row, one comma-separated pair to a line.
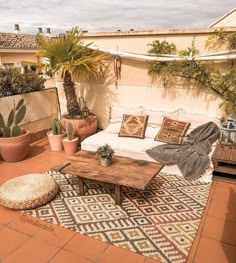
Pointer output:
x,y
123,171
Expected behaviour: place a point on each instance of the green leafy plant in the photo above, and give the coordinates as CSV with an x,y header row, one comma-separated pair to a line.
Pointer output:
x,y
57,127
13,82
161,47
198,73
232,41
11,127
220,37
105,151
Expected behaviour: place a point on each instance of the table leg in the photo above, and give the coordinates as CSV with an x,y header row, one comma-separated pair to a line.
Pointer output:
x,y
81,186
118,197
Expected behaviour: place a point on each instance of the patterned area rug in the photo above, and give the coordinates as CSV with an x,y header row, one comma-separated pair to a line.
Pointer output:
x,y
160,222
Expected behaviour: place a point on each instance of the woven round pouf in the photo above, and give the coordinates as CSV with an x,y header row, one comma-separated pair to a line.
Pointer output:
x,y
28,191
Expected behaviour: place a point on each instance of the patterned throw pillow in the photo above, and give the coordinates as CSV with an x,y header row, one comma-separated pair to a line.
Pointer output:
x,y
133,126
172,131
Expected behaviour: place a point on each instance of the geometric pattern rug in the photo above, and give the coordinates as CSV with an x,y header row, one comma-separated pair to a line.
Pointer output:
x,y
160,222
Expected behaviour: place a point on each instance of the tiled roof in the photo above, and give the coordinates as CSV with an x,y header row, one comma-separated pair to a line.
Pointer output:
x,y
11,40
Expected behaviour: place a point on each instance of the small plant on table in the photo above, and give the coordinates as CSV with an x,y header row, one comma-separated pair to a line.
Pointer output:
x,y
105,153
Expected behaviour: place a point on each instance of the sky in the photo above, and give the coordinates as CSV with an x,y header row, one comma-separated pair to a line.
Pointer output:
x,y
110,15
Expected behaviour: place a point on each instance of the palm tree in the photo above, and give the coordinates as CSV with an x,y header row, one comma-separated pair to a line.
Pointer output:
x,y
68,55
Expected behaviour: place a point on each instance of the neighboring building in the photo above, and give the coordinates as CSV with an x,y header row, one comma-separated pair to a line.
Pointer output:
x,y
16,48
228,20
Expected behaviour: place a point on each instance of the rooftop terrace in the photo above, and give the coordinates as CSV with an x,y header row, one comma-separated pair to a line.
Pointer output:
x,y
23,242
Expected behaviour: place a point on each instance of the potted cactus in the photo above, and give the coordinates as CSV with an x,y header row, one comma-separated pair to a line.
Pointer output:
x,y
14,141
70,143
56,135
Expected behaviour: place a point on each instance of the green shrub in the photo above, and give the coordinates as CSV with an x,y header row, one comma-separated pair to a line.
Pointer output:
x,y
13,82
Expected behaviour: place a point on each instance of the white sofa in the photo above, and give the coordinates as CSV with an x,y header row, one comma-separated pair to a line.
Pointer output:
x,y
135,147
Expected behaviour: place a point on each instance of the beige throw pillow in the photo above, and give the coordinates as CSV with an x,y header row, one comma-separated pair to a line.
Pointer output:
x,y
172,131
133,126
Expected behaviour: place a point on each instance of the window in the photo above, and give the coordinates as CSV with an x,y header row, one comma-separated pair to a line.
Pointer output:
x,y
7,65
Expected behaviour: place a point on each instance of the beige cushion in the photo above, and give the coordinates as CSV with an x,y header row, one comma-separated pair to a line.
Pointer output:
x,y
117,111
133,126
197,119
172,131
156,116
28,191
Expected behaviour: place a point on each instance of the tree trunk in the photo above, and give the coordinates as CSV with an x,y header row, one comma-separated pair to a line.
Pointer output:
x,y
71,99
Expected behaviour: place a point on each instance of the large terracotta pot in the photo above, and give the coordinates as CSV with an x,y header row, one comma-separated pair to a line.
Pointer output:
x,y
82,127
55,141
14,149
70,147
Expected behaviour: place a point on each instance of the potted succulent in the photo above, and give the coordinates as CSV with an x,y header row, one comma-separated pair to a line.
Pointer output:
x,y
105,153
70,143
56,135
14,141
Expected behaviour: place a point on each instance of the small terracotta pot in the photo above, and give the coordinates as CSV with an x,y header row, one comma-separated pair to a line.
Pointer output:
x,y
70,147
14,149
55,141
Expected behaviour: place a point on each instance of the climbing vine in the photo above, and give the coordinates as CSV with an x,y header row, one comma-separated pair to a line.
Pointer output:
x,y
198,73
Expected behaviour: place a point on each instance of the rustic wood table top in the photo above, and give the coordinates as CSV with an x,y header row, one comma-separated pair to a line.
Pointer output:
x,y
124,171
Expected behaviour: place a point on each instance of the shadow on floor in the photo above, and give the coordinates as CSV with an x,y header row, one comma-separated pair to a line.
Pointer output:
x,y
35,151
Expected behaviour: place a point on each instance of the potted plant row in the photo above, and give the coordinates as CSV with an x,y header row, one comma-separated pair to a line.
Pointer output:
x,y
59,139
14,141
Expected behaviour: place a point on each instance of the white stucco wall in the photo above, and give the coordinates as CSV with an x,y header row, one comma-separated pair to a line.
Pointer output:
x,y
135,85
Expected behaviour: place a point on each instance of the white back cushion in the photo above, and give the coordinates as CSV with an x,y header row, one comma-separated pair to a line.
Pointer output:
x,y
156,116
117,111
197,119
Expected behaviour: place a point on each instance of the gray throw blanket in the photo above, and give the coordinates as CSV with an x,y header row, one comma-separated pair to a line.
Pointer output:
x,y
192,156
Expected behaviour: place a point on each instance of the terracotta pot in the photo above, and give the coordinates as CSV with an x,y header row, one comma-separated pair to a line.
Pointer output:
x,y
82,127
14,149
70,147
55,141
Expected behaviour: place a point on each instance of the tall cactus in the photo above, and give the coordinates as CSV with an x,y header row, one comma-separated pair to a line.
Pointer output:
x,y
56,127
16,115
70,131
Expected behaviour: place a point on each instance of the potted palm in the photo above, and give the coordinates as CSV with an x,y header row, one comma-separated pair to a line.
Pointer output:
x,y
14,141
105,153
56,135
68,56
70,143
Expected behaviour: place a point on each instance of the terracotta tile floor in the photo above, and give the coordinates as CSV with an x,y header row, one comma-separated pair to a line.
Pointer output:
x,y
22,242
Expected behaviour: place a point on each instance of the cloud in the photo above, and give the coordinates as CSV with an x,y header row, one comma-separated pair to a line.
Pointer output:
x,y
110,15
